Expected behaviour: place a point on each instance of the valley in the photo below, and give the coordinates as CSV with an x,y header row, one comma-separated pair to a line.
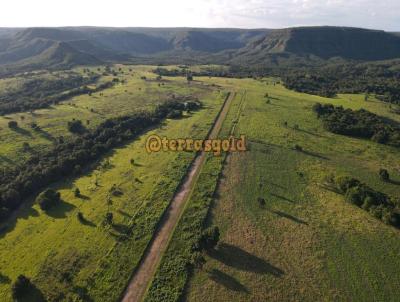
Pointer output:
x,y
285,234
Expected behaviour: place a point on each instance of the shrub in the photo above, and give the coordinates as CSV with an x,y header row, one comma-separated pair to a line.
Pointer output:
x,y
48,199
345,182
76,127
174,114
355,196
209,238
384,174
12,124
261,202
109,218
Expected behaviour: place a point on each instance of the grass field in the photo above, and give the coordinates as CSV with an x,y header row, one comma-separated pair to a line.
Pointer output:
x,y
132,95
67,258
306,244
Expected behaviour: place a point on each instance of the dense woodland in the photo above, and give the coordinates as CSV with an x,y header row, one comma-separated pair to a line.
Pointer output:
x,y
359,123
378,78
70,156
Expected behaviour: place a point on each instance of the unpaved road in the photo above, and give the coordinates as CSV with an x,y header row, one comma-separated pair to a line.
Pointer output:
x,y
158,244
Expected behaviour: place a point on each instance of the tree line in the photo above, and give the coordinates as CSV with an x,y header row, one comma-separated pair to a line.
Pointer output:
x,y
376,203
70,155
40,93
358,123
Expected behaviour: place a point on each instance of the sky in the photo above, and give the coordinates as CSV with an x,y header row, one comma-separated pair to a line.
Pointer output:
x,y
378,14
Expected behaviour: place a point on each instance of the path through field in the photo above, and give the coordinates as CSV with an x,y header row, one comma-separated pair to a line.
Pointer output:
x,y
148,264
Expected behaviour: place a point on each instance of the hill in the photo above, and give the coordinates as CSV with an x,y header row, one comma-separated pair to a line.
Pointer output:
x,y
282,47
323,43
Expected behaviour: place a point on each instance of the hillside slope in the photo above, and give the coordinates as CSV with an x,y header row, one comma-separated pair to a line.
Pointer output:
x,y
324,43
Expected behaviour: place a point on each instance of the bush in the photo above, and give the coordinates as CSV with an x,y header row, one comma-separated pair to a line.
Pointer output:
x,y
76,127
376,203
384,174
12,124
48,199
261,202
345,182
209,238
355,196
174,114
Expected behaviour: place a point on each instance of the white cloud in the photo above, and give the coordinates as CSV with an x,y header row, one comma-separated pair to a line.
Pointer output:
x,y
383,14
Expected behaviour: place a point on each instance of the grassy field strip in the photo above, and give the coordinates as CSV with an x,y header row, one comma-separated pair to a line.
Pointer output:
x,y
147,267
172,273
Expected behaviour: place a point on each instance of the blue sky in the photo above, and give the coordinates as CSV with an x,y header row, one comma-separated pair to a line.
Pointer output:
x,y
380,14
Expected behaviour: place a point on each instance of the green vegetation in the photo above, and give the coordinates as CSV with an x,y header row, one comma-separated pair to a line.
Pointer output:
x,y
48,199
360,123
267,224
284,233
134,193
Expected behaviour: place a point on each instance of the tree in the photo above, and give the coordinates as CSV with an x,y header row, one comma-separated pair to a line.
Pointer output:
x,y
26,147
189,77
76,126
197,260
209,238
298,147
384,174
261,202
12,124
48,199
109,218
77,192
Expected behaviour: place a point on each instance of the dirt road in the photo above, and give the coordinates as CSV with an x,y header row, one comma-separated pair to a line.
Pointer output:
x,y
152,256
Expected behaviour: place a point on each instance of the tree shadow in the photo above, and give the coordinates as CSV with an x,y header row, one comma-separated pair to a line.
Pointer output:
x,y
83,197
329,187
310,133
240,259
125,214
226,281
11,222
394,182
61,210
288,216
282,197
121,228
83,294
6,160
86,222
32,294
277,185
46,135
22,131
314,154
4,279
